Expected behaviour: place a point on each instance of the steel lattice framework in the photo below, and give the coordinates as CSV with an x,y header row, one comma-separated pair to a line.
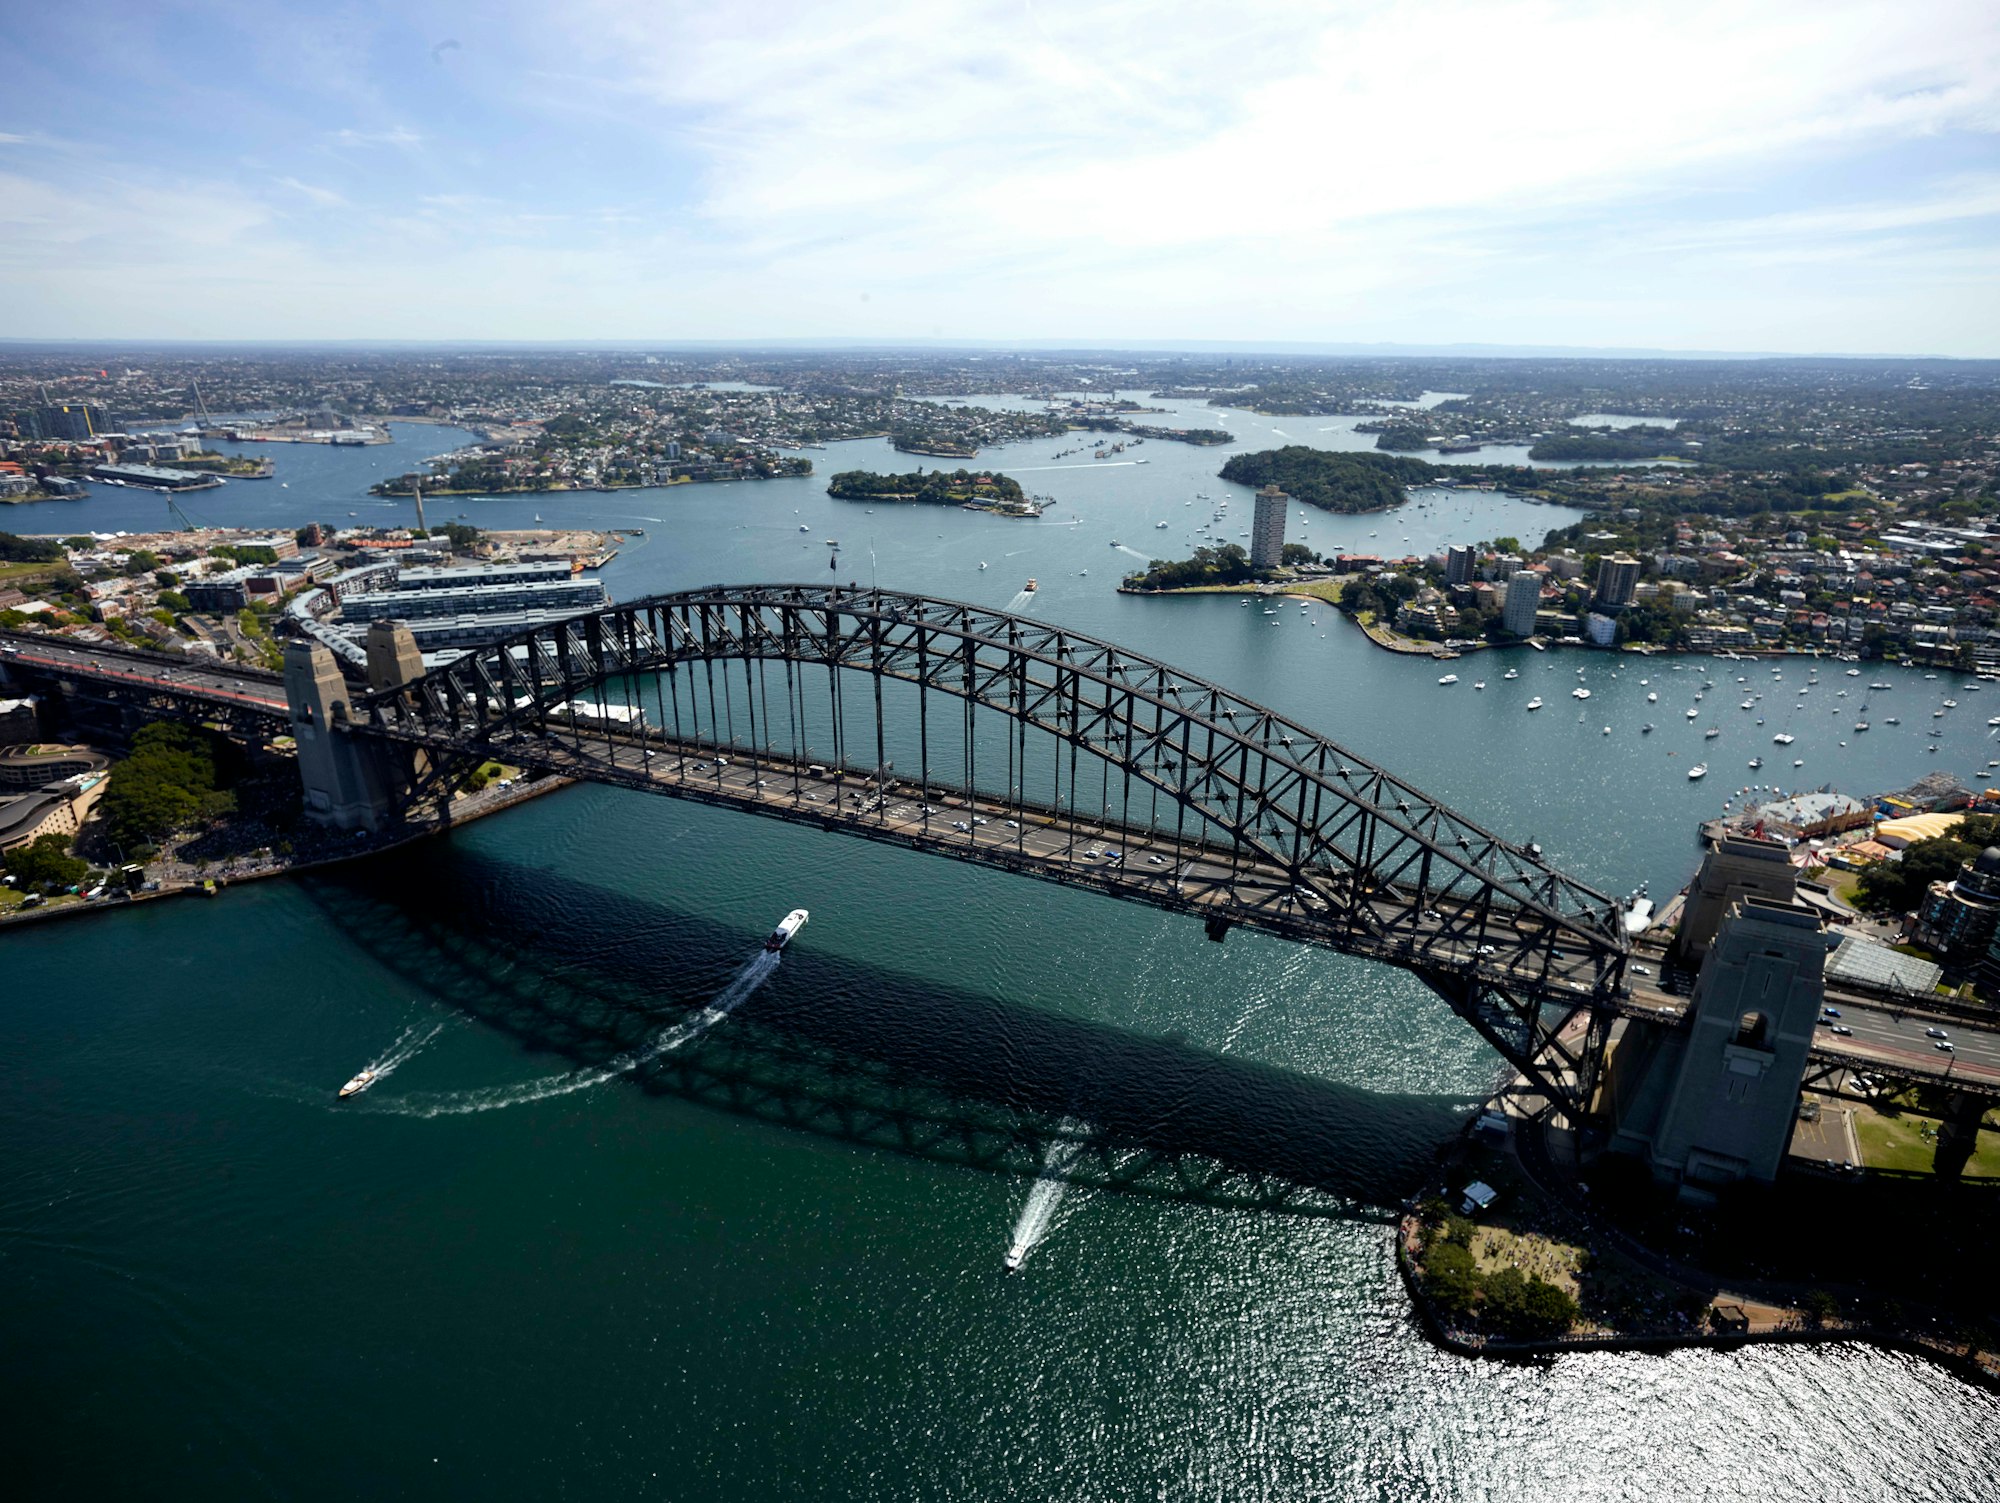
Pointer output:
x,y
1273,826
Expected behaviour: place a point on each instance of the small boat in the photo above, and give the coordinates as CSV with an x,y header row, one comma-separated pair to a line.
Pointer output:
x,y
1579,694
359,1084
1699,770
1653,698
1030,587
1607,730
982,563
804,528
1755,763
1861,725
1511,673
1480,684
1535,703
1694,714
1646,729
1449,678
1783,738
1710,734
789,925
1116,544
1798,761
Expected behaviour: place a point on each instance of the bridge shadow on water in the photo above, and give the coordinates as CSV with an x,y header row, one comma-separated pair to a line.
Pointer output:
x,y
865,1054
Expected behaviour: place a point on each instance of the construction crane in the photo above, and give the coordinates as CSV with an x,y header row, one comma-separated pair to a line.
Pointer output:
x,y
187,523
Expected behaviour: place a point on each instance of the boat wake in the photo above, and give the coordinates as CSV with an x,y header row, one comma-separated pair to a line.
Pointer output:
x,y
1135,553
1039,1211
493,1098
408,1044
1019,605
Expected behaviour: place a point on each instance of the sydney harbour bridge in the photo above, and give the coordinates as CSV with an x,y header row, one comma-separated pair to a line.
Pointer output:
x,y
992,738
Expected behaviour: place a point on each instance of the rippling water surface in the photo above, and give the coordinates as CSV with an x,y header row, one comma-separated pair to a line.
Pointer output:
x,y
655,1261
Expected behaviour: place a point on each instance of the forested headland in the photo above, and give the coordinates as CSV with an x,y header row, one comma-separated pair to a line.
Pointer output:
x,y
982,489
1337,482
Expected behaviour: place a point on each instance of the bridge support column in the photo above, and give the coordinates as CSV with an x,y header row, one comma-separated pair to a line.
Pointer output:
x,y
350,783
1958,1134
1719,1095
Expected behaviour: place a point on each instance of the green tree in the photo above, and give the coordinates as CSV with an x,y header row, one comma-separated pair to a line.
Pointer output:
x,y
168,782
45,863
1898,886
1451,1279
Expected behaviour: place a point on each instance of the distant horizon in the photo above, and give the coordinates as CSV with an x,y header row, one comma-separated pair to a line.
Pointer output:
x,y
1295,349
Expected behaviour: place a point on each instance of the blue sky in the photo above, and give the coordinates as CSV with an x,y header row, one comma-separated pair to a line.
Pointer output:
x,y
1773,176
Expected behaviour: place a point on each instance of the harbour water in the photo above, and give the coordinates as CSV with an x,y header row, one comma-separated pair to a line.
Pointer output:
x,y
653,1264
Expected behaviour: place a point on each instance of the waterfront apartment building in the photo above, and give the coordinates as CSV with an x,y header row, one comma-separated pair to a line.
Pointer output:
x,y
1617,579
1458,563
564,596
1267,528
1524,598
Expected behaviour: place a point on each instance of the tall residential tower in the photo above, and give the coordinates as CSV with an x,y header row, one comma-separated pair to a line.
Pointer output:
x,y
1267,531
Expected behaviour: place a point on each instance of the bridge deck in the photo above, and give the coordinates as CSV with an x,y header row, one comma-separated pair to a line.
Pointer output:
x,y
1128,861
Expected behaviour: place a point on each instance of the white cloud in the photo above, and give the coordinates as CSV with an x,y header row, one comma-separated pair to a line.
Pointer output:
x,y
395,136
325,197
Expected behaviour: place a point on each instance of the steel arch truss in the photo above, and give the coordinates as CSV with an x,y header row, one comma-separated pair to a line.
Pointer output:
x,y
1346,854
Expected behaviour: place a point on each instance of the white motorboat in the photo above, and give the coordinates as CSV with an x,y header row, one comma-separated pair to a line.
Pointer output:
x,y
1699,770
359,1084
1535,703
789,925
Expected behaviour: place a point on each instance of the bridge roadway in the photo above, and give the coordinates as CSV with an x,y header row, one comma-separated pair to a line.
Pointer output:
x,y
225,684
1127,861
1883,1035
